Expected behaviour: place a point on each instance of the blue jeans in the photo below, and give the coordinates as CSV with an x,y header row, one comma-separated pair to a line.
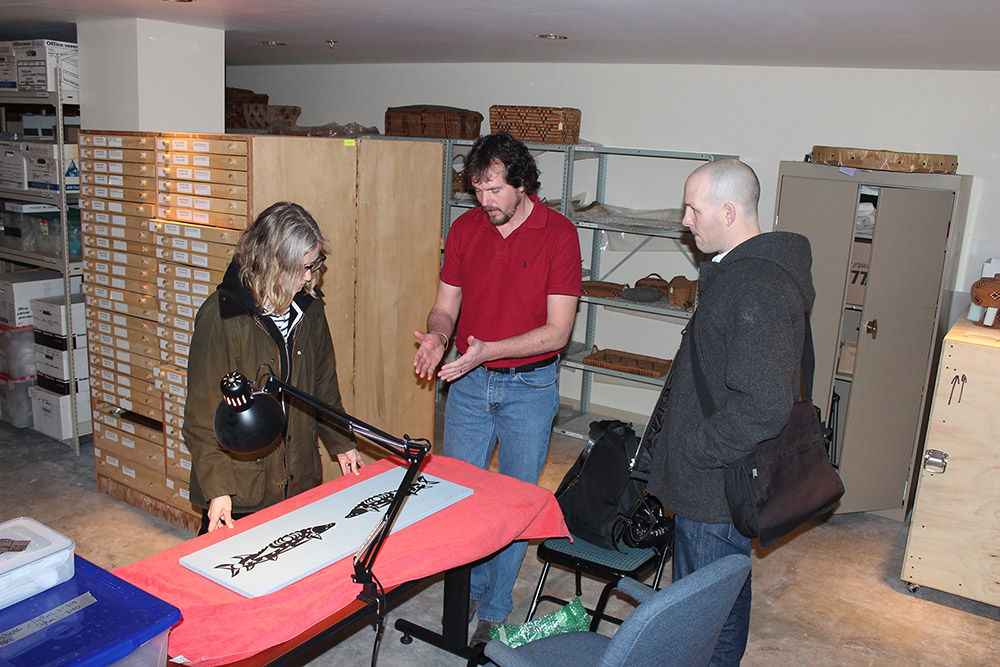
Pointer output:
x,y
697,544
517,409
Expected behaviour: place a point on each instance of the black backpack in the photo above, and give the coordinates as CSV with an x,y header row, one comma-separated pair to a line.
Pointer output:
x,y
598,488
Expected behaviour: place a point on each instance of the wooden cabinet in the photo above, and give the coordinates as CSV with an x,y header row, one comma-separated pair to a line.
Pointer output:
x,y
954,533
156,252
889,318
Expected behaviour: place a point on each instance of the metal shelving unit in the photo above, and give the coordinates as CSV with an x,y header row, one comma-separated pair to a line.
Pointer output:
x,y
58,100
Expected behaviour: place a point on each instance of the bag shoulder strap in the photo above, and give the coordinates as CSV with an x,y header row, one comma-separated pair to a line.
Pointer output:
x,y
807,368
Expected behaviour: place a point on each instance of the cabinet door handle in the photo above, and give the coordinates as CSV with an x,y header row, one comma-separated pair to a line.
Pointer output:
x,y
935,461
872,328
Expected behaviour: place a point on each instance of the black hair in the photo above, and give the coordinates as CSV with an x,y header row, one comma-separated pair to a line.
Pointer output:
x,y
519,166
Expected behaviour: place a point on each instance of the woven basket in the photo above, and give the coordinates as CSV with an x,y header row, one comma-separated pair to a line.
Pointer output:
x,y
882,160
601,288
543,125
236,99
682,292
656,281
260,116
424,120
628,362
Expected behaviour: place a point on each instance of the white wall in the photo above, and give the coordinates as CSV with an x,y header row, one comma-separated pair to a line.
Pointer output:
x,y
763,114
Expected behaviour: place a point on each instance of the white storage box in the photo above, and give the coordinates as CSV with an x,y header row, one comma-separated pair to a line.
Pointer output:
x,y
55,363
15,402
50,413
18,288
50,314
36,62
41,166
46,560
8,68
44,127
17,351
13,174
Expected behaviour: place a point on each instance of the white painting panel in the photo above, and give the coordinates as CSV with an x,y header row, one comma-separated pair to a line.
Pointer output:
x,y
287,548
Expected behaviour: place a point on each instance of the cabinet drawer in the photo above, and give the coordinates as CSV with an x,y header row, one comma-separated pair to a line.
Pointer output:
x,y
121,325
118,180
117,227
167,297
195,145
201,161
230,206
198,233
208,248
120,257
125,350
203,217
118,155
123,194
103,413
196,189
146,312
115,282
208,276
191,259
203,175
166,284
124,168
104,242
112,206
137,141
121,271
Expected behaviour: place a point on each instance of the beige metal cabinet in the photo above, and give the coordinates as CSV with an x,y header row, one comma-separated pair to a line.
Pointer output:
x,y
886,307
954,533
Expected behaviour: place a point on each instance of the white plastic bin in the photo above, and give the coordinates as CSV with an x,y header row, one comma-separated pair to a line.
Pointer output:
x,y
45,561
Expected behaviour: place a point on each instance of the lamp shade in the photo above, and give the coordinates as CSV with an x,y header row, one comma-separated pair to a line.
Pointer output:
x,y
246,421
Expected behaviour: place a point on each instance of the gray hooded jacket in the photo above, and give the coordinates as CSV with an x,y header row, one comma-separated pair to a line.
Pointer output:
x,y
750,329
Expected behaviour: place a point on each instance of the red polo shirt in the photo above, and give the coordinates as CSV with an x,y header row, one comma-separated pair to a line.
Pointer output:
x,y
505,281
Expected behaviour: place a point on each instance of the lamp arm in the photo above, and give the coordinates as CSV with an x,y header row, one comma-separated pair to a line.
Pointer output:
x,y
412,450
408,449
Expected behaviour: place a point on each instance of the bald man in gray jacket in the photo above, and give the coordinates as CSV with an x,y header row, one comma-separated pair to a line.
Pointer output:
x,y
749,329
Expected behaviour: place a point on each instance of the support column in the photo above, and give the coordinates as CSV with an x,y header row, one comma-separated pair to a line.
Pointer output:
x,y
151,76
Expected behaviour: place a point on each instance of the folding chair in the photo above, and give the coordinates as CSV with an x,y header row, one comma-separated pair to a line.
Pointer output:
x,y
607,565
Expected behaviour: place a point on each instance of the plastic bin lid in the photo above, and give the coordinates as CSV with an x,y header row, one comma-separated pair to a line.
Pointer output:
x,y
42,542
92,620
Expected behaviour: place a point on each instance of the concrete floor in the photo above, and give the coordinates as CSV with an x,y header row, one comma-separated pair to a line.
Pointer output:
x,y
829,595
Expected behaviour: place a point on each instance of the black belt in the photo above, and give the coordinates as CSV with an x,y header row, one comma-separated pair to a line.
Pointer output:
x,y
525,368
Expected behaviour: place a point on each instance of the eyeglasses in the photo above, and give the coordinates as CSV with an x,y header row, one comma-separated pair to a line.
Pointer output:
x,y
315,266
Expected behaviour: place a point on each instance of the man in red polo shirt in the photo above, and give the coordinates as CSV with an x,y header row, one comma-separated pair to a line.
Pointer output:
x,y
512,268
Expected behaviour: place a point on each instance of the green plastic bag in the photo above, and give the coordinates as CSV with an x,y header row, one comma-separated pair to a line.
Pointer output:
x,y
571,618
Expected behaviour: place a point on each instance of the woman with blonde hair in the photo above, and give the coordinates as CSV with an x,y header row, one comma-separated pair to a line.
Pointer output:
x,y
267,310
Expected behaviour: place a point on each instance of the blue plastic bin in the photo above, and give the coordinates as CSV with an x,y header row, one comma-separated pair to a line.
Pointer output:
x,y
123,625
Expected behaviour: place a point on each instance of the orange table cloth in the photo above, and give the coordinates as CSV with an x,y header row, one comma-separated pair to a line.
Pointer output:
x,y
221,626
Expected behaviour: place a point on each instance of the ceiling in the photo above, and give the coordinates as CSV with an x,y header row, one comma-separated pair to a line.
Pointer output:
x,y
908,34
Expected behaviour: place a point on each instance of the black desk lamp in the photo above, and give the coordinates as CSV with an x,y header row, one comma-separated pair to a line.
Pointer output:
x,y
248,421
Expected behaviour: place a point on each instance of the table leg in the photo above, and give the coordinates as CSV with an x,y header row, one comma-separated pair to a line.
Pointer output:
x,y
454,635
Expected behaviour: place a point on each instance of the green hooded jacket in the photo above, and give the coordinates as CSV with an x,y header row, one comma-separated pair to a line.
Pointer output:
x,y
231,334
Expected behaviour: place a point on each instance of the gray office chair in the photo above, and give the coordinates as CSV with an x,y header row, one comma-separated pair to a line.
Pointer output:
x,y
676,626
